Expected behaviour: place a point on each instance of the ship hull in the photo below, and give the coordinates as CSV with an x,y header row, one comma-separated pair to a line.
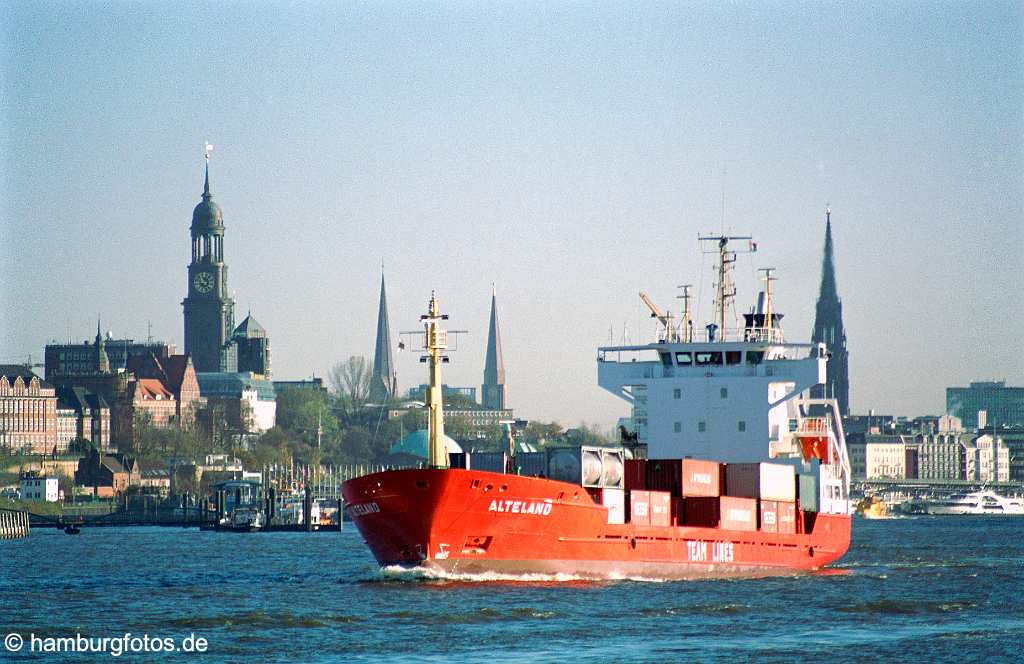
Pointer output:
x,y
473,522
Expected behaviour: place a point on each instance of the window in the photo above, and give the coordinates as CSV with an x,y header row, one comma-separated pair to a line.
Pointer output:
x,y
755,357
702,426
684,359
666,359
678,427
677,393
743,425
733,357
704,359
724,392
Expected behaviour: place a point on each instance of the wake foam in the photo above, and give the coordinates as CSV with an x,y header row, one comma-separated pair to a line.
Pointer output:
x,y
427,574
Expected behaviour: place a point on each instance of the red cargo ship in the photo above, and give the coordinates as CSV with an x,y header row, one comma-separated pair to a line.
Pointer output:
x,y
596,513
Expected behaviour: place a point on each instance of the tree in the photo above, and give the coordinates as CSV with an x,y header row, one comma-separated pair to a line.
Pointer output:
x,y
350,381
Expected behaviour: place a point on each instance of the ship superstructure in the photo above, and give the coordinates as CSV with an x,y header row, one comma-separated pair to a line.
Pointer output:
x,y
734,394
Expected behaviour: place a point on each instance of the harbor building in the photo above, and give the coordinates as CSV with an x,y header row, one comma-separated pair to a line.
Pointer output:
x,y
28,411
247,403
828,329
988,460
83,415
36,486
384,381
63,360
885,457
251,349
493,393
1002,406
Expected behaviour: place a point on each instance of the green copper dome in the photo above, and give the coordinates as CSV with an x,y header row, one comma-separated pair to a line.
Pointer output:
x,y
207,214
415,444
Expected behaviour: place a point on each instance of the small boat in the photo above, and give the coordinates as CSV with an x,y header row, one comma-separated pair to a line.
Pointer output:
x,y
72,529
976,502
873,507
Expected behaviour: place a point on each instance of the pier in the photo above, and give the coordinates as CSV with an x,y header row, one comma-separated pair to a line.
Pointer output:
x,y
14,524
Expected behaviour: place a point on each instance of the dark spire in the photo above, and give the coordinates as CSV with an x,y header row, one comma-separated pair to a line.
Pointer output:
x,y
206,182
828,329
100,359
494,391
385,381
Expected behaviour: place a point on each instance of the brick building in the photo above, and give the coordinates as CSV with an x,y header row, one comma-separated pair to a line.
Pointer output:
x,y
28,411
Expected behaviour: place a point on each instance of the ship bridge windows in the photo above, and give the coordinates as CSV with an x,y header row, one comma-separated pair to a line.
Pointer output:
x,y
684,359
666,359
755,357
708,359
733,356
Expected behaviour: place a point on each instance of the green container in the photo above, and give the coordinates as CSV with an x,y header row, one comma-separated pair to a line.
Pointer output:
x,y
807,492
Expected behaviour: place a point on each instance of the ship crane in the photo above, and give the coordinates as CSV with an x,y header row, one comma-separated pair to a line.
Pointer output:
x,y
664,318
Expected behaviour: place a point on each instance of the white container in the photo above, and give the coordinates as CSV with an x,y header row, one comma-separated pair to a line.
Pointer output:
x,y
770,481
615,501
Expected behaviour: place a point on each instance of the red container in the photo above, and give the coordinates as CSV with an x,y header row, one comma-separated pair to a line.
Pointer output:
x,y
664,475
702,512
738,513
787,517
636,474
769,516
640,507
678,511
701,478
661,508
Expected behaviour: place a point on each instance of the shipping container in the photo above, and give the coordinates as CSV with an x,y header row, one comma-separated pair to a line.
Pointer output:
x,y
636,474
494,462
770,481
457,460
701,478
808,492
661,508
702,512
665,475
615,501
786,517
738,513
769,516
678,511
640,507
531,464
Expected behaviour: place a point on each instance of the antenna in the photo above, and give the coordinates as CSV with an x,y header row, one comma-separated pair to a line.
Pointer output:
x,y
725,291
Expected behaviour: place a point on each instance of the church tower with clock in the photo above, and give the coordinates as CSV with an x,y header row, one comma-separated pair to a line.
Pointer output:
x,y
209,311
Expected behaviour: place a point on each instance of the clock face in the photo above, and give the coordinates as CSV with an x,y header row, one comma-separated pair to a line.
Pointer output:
x,y
203,282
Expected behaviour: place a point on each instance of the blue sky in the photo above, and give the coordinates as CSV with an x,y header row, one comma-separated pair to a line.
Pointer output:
x,y
567,152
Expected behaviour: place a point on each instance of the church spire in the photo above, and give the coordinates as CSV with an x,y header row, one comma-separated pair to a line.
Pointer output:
x,y
100,359
495,394
828,329
385,381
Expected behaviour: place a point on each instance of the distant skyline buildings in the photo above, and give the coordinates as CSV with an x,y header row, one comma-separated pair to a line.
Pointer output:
x,y
571,159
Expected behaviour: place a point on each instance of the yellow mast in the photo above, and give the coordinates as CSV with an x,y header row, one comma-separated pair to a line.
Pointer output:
x,y
435,340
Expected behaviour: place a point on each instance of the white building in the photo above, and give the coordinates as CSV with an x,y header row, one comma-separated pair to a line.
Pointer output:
x,y
941,456
40,487
988,459
885,460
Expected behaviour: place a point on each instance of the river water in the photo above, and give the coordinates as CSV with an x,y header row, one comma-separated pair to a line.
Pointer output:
x,y
913,589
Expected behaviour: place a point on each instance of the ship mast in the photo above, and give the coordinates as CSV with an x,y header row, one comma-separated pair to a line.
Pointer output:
x,y
686,325
768,279
725,291
435,340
